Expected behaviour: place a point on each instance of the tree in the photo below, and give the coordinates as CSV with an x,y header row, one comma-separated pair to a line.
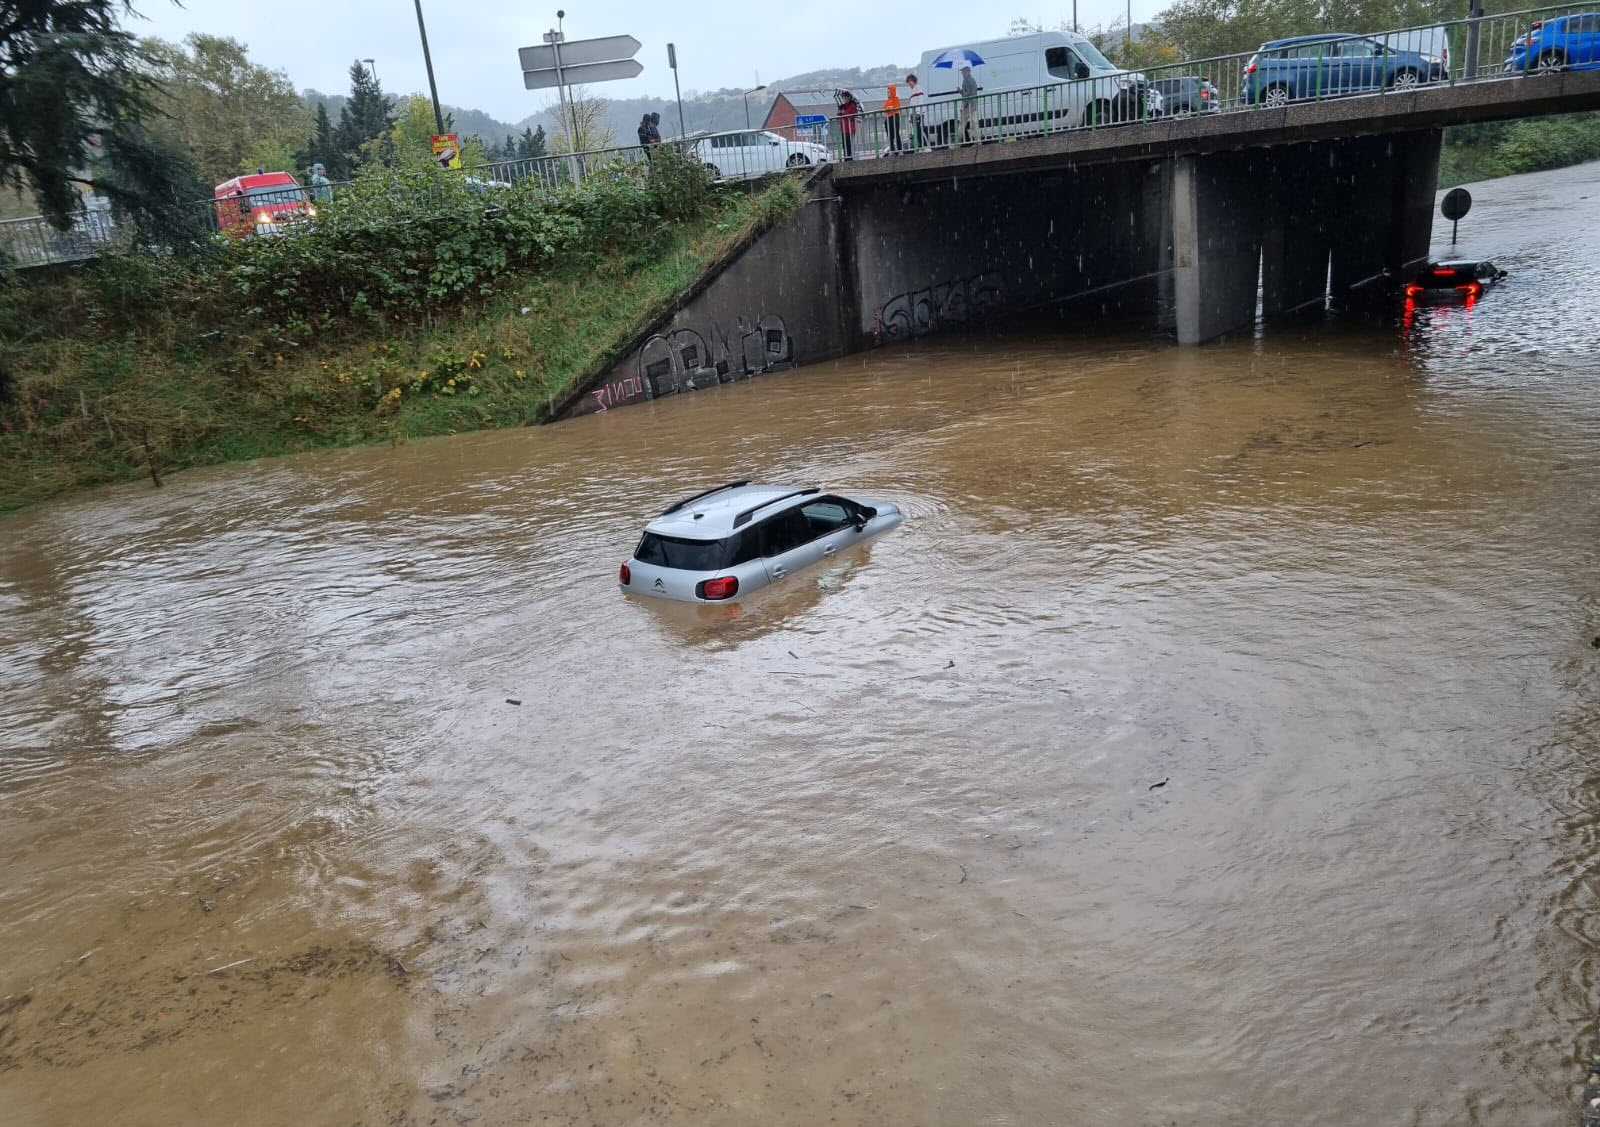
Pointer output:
x,y
582,125
230,114
531,145
366,116
76,99
322,150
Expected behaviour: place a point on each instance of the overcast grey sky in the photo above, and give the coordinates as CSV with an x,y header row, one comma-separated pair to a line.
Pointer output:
x,y
721,43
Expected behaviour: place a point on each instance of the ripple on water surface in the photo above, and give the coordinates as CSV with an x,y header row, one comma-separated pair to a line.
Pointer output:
x,y
1217,732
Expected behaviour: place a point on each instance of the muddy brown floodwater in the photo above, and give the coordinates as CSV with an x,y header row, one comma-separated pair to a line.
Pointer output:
x,y
886,844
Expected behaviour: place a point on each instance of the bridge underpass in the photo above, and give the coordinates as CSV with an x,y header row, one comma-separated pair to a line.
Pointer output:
x,y
1184,222
1189,226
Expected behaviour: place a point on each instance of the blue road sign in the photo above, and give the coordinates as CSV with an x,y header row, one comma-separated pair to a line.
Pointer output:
x,y
811,119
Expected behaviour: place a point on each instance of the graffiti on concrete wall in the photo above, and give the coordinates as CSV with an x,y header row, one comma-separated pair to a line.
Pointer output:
x,y
959,301
687,359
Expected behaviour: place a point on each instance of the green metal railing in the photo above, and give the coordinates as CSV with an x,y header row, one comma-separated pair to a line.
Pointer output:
x,y
1384,63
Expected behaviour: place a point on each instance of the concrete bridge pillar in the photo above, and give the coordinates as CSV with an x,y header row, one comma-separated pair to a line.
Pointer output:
x,y
1216,245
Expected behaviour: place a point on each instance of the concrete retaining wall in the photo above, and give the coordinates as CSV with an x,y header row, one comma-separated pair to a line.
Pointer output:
x,y
777,304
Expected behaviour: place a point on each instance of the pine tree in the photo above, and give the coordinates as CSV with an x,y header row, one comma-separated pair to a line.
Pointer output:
x,y
509,149
323,150
367,114
76,95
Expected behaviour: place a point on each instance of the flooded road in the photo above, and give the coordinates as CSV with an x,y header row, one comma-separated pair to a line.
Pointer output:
x,y
1217,742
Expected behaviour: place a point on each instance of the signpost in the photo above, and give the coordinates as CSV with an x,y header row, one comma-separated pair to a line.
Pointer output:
x,y
560,63
1457,202
447,150
814,122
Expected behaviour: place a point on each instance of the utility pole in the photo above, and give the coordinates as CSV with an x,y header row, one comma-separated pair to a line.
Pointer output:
x,y
672,61
427,59
572,103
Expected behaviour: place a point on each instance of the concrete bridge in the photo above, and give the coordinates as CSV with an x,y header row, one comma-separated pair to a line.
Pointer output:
x,y
1186,224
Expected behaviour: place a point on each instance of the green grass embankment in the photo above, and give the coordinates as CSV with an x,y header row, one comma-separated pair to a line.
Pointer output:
x,y
134,366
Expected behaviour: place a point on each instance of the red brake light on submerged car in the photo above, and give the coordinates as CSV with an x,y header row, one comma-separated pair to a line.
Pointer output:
x,y
724,588
624,576
1413,290
1471,289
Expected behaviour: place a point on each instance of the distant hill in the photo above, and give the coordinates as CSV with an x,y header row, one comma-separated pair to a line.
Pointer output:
x,y
467,122
717,110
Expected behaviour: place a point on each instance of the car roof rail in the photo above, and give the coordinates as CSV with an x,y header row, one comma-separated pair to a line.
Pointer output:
x,y
707,493
744,517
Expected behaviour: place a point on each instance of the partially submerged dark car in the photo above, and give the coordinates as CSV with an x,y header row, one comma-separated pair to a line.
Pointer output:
x,y
1453,281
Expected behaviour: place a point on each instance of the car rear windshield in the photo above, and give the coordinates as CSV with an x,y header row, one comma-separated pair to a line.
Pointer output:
x,y
684,555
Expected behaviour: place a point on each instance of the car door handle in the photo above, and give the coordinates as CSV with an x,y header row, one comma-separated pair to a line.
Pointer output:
x,y
829,550
778,573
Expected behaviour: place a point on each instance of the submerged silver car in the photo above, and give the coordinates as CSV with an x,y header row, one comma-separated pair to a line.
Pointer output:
x,y
739,538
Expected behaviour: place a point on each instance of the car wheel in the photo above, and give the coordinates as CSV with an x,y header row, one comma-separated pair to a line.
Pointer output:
x,y
1276,97
1096,113
1550,62
799,161
1405,80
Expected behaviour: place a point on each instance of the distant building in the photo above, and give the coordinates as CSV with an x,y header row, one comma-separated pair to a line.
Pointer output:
x,y
791,105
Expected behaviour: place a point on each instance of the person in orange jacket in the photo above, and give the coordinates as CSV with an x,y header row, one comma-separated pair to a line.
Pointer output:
x,y
891,114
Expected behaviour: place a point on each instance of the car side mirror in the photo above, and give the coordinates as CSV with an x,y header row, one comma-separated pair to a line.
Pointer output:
x,y
1081,70
860,522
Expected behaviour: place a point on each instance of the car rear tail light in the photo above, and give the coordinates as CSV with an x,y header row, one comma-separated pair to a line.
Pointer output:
x,y
625,576
1250,67
1443,273
1413,290
724,588
1535,26
1471,289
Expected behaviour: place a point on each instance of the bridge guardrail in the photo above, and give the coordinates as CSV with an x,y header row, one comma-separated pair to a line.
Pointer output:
x,y
1375,64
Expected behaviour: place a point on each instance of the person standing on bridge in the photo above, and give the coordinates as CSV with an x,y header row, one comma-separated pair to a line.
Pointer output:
x,y
970,130
916,98
848,109
891,115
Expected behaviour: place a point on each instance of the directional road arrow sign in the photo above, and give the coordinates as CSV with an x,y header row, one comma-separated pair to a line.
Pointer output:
x,y
579,75
577,52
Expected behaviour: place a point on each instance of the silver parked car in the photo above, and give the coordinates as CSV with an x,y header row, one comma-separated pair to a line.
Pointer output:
x,y
739,538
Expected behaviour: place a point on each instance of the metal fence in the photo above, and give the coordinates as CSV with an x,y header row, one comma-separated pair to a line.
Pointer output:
x,y
1516,46
1511,46
34,242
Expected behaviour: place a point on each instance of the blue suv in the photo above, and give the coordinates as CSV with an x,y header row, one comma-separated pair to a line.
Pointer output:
x,y
1551,45
1322,66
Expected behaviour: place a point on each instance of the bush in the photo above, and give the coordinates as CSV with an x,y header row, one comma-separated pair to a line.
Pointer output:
x,y
405,248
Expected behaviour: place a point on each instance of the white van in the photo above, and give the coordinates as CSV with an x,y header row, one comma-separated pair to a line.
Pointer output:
x,y
1084,88
1433,41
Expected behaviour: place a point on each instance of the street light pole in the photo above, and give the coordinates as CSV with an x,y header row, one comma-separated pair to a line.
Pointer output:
x,y
427,59
747,94
372,65
672,61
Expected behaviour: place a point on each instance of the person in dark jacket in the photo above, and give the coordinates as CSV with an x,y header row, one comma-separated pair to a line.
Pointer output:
x,y
645,128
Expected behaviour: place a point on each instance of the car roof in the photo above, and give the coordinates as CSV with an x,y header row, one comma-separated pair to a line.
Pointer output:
x,y
718,512
1320,37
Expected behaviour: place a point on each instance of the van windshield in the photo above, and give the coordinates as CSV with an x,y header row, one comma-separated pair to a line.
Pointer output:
x,y
274,193
1092,55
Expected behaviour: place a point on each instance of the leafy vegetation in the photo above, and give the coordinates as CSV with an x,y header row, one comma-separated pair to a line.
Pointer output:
x,y
408,308
1482,152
